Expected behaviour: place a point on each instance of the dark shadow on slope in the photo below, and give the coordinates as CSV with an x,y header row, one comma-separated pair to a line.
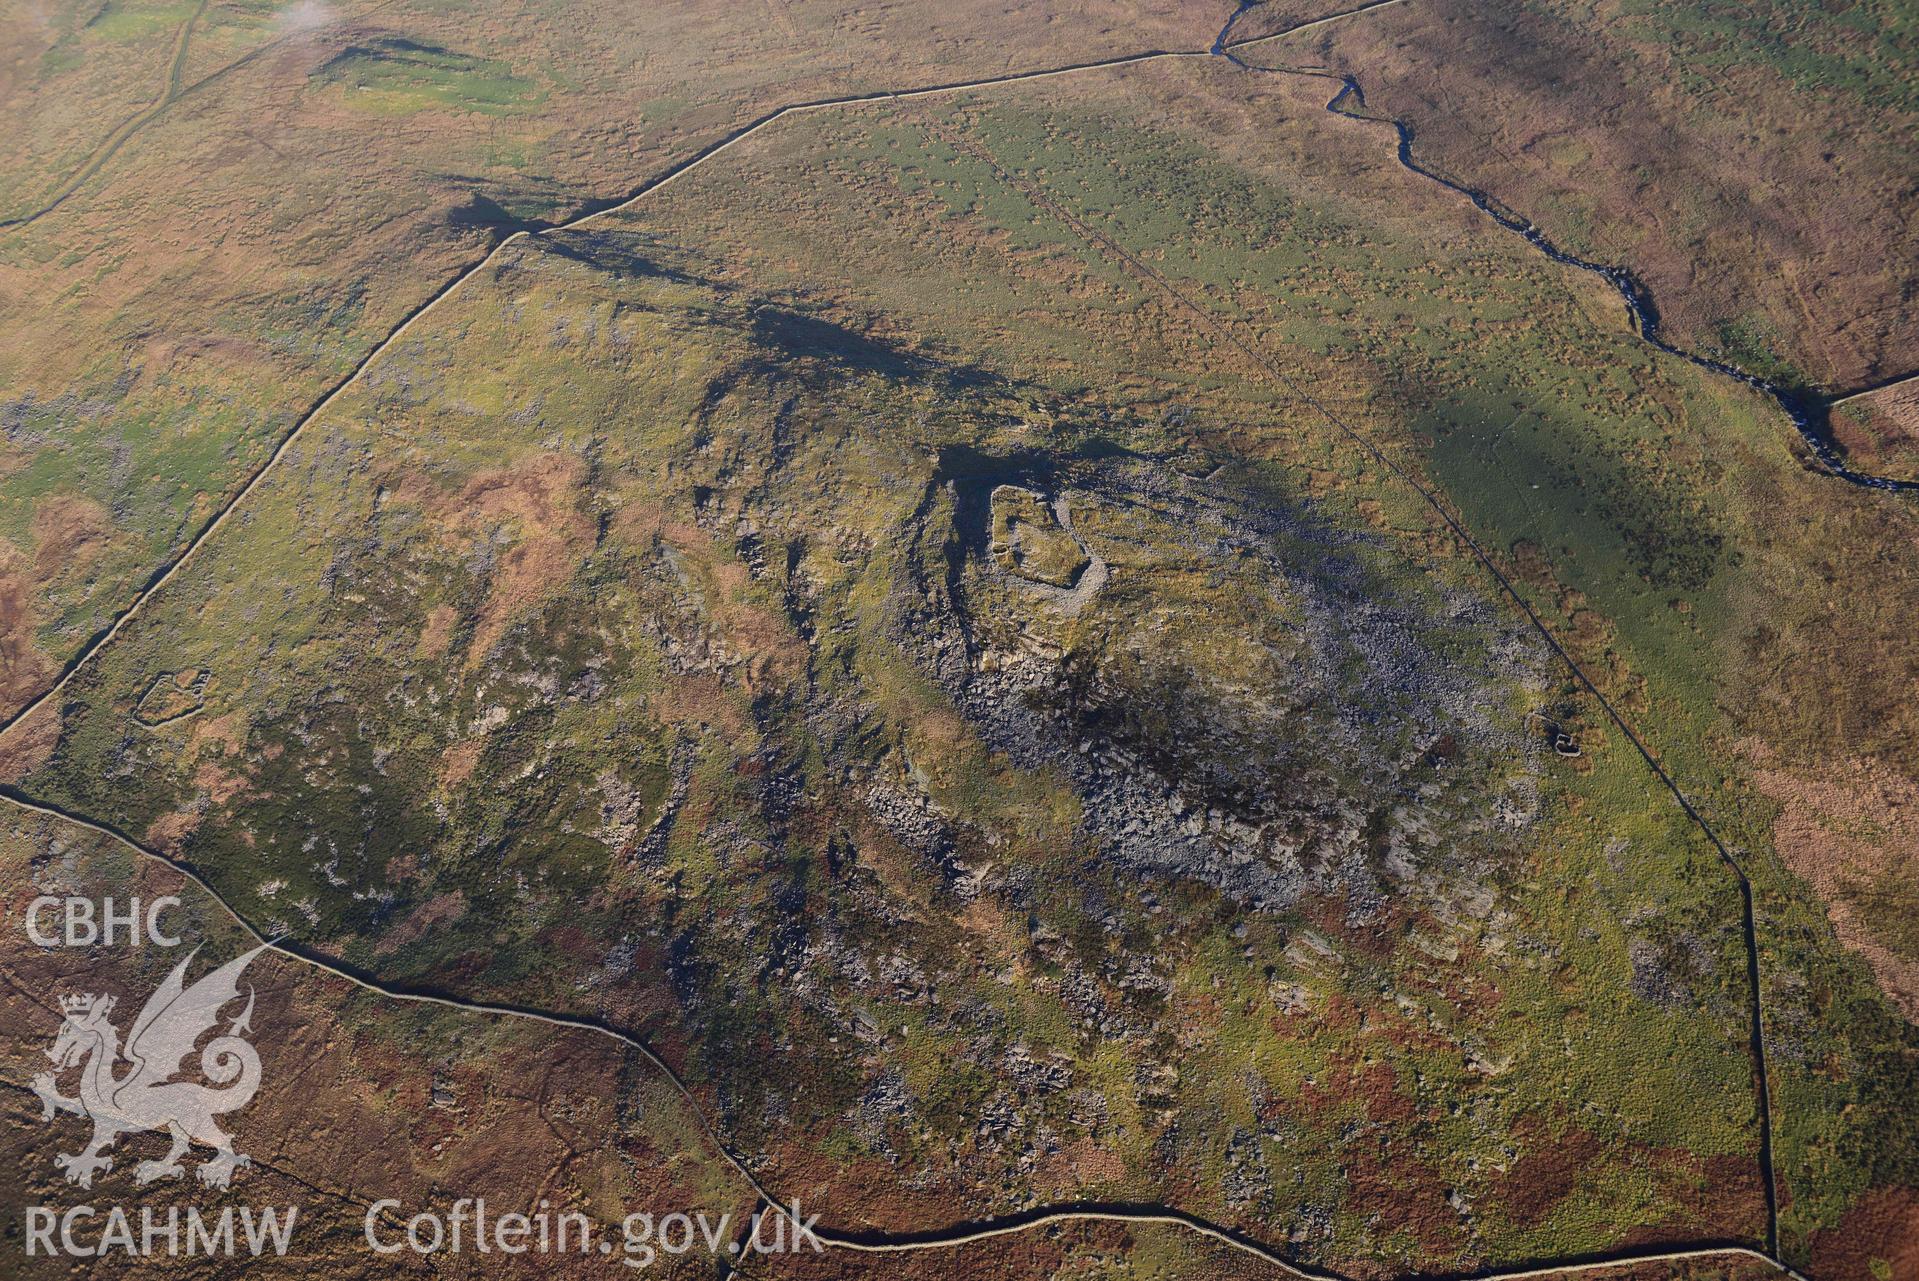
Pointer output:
x,y
617,255
838,351
480,213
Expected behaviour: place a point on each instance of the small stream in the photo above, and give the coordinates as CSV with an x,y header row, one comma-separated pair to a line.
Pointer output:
x,y
1219,49
1808,411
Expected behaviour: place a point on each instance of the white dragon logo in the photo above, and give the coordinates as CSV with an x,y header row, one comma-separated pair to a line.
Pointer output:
x,y
146,1097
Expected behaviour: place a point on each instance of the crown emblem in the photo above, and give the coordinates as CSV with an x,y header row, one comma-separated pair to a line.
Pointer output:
x,y
78,1003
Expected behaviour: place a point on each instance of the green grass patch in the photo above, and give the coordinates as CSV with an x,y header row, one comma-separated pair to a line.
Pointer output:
x,y
393,76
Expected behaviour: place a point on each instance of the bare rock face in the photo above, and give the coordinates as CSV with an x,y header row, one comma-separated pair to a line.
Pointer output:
x,y
1031,542
1232,697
